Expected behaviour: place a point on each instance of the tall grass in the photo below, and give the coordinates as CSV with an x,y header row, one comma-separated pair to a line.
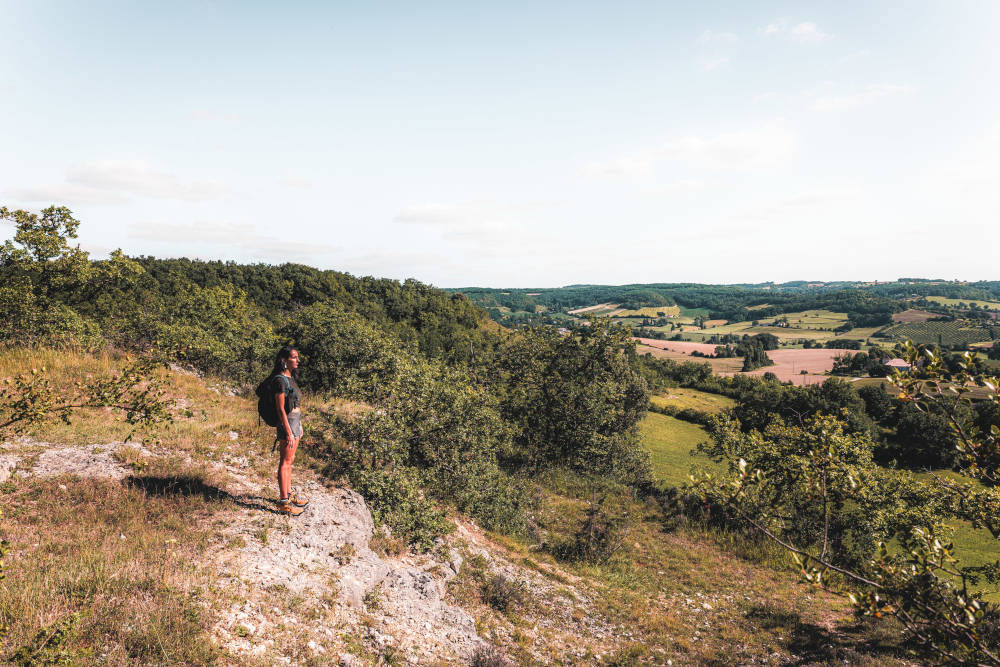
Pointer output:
x,y
102,572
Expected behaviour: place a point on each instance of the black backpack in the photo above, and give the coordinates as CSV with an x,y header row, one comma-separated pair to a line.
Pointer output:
x,y
266,408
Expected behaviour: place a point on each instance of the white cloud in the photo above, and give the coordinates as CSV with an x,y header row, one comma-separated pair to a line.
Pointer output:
x,y
805,32
708,36
767,146
862,98
808,32
115,182
296,183
711,64
135,177
66,194
230,236
457,222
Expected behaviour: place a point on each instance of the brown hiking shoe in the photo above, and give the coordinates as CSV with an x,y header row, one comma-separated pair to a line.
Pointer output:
x,y
297,500
287,508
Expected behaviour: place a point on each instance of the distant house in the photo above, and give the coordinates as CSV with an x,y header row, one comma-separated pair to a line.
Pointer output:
x,y
896,364
563,331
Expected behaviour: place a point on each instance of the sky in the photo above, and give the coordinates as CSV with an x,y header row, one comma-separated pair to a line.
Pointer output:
x,y
515,144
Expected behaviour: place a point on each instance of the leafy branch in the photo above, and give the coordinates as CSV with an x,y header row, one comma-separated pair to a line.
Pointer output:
x,y
136,390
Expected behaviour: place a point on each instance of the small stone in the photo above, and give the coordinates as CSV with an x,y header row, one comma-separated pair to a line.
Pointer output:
x,y
233,435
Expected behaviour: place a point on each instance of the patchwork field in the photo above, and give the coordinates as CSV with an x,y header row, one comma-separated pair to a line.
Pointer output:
x,y
944,301
788,363
809,325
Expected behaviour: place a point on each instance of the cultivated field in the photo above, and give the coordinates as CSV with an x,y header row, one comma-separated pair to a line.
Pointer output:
x,y
908,316
788,363
599,309
681,351
941,333
651,311
681,347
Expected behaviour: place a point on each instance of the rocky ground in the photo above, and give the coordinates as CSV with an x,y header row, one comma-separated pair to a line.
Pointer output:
x,y
311,589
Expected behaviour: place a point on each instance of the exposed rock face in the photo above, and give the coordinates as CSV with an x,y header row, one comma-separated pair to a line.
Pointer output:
x,y
326,548
7,465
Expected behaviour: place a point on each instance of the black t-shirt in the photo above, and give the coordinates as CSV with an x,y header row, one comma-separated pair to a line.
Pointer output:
x,y
293,397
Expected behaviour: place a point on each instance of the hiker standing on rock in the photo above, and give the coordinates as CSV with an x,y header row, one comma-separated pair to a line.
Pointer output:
x,y
287,398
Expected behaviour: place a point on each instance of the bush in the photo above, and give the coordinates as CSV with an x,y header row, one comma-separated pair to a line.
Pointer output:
x,y
396,500
601,536
503,593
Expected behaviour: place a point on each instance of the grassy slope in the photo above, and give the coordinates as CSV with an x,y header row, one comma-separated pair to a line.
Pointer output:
x,y
669,442
692,596
117,565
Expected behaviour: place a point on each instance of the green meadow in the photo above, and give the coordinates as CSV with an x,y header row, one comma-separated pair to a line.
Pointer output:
x,y
670,443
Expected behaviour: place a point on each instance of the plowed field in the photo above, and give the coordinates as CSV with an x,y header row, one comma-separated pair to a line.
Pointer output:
x,y
788,364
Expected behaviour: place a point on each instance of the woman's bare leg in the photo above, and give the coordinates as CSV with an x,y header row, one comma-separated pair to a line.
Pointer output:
x,y
287,455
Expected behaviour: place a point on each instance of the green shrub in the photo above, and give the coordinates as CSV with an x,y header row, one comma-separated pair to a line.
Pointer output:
x,y
395,499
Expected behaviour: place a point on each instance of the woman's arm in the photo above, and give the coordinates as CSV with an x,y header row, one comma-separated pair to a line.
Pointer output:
x,y
279,400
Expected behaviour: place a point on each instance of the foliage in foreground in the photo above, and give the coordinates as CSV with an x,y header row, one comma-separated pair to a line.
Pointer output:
x,y
879,536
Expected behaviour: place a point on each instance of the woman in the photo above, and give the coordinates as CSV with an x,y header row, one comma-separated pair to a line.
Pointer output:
x,y
287,399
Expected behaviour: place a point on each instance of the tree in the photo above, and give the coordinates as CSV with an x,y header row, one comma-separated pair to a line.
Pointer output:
x,y
42,275
879,536
573,400
754,356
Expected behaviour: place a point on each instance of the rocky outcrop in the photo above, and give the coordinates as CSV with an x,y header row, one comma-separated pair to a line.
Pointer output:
x,y
324,554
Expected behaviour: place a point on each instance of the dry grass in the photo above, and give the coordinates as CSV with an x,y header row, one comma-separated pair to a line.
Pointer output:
x,y
114,566
685,398
689,595
211,424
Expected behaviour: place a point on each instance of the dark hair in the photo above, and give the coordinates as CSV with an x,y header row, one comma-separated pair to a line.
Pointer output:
x,y
280,365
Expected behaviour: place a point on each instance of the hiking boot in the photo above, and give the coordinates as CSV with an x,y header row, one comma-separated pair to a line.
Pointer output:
x,y
287,508
297,500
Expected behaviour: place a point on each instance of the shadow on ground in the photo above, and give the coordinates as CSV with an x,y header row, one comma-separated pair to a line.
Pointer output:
x,y
193,486
863,643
